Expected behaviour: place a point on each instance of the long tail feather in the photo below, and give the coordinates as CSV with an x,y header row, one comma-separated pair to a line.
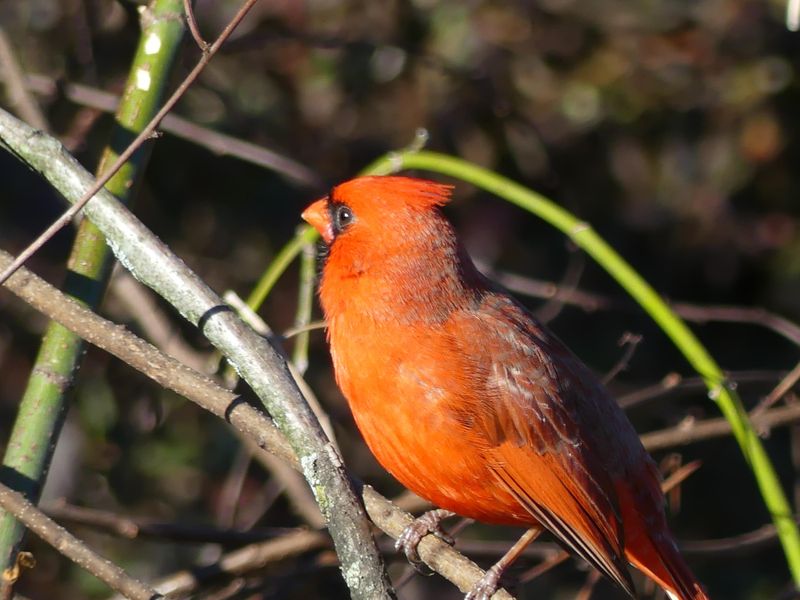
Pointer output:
x,y
663,564
651,549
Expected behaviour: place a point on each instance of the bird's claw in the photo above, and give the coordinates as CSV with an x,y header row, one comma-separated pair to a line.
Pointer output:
x,y
486,586
409,540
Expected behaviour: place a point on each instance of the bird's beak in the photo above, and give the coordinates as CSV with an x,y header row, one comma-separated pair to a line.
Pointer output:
x,y
319,218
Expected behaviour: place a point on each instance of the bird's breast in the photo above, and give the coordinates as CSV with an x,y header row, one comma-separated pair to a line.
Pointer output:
x,y
404,388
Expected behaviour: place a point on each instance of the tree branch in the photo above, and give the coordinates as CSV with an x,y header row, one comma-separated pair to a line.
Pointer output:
x,y
71,547
152,263
248,420
694,431
219,143
148,132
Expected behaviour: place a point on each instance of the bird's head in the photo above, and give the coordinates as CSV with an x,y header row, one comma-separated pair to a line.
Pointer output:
x,y
391,249
383,225
377,210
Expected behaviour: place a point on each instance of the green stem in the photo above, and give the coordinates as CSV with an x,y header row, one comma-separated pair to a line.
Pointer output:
x,y
44,404
279,264
305,302
584,236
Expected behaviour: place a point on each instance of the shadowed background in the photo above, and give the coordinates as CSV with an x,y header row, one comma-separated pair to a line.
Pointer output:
x,y
669,126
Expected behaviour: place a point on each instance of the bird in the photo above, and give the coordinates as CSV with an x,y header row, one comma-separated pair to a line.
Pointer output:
x,y
470,402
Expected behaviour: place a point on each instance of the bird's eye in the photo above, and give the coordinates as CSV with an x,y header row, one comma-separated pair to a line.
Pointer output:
x,y
342,217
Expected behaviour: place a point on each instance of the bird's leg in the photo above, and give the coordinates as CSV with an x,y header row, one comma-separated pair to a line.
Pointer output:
x,y
429,522
488,584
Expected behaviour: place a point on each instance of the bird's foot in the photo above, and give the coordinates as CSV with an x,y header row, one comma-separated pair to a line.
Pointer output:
x,y
430,522
487,585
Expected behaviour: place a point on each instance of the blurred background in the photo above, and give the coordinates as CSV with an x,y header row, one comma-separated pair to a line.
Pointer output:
x,y
668,125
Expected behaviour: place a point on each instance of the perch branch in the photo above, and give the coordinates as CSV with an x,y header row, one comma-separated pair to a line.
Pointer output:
x,y
249,421
150,261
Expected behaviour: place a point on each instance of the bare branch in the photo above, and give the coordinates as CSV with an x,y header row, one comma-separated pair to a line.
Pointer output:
x,y
241,561
741,544
248,420
192,22
783,387
71,547
146,134
628,341
134,528
156,326
691,431
219,143
675,381
590,301
18,94
150,261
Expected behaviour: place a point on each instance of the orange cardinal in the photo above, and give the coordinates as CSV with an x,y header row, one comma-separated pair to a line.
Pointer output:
x,y
470,402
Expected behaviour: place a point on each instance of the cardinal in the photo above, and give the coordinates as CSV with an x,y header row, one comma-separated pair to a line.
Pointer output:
x,y
470,402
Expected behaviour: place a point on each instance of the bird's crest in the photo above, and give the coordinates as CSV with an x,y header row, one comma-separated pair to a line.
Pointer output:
x,y
392,192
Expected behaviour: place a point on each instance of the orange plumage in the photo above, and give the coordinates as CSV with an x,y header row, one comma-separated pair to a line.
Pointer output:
x,y
469,401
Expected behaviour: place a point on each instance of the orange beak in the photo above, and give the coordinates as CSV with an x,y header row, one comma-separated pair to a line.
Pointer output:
x,y
318,217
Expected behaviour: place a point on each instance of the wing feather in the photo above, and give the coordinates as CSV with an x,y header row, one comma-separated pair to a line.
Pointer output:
x,y
542,417
560,509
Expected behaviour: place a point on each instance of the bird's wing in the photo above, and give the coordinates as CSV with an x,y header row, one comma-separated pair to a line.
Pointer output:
x,y
540,417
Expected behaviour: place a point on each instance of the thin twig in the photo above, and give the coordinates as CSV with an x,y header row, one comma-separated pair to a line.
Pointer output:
x,y
134,528
741,544
156,326
572,276
242,561
231,490
669,466
219,143
192,22
71,547
679,476
675,381
544,566
146,134
629,341
739,314
313,326
18,95
780,390
590,301
691,431
539,288
250,317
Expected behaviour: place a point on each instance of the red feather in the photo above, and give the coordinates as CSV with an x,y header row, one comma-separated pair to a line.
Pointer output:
x,y
470,402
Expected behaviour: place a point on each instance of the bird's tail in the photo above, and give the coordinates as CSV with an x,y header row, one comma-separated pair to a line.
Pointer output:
x,y
651,549
664,565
